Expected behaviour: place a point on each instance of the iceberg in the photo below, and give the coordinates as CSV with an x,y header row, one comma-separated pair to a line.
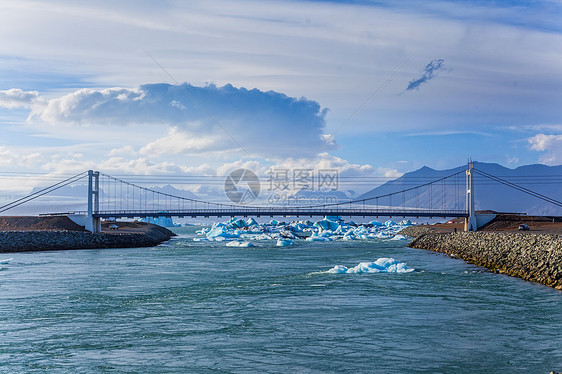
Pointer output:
x,y
333,218
326,225
284,242
236,243
382,265
161,221
252,222
201,240
221,232
315,238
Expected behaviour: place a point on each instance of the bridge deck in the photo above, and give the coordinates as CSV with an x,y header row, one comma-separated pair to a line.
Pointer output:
x,y
279,212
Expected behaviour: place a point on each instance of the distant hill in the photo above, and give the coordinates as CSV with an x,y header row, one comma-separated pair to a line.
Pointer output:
x,y
546,180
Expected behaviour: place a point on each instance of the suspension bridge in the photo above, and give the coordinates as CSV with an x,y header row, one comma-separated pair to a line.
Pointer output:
x,y
109,197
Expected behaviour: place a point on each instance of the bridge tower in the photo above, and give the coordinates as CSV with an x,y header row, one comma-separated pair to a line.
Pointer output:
x,y
93,224
470,223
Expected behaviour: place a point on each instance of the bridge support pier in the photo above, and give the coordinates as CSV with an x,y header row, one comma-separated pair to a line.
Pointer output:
x,y
470,223
93,224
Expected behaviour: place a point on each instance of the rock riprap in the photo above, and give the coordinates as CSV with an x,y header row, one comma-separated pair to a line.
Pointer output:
x,y
533,257
19,241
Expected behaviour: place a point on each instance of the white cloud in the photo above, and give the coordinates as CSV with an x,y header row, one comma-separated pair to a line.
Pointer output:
x,y
551,144
178,142
359,177
542,142
209,118
123,151
16,98
10,158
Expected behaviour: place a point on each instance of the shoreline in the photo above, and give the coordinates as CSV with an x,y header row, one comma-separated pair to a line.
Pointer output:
x,y
532,257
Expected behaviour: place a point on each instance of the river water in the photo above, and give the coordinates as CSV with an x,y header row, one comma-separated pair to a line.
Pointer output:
x,y
202,307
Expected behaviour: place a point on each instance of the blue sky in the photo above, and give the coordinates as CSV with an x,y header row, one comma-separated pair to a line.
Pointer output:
x,y
205,87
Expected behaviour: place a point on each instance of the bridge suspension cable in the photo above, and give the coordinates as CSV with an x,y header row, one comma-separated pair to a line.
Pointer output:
x,y
389,195
165,204
519,188
43,191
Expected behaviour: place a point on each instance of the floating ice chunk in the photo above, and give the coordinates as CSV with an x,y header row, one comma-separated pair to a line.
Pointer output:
x,y
262,237
286,234
326,225
274,222
405,222
221,232
350,235
376,223
6,261
284,242
333,218
237,224
236,243
399,237
315,238
338,269
383,235
382,265
201,239
390,223
252,222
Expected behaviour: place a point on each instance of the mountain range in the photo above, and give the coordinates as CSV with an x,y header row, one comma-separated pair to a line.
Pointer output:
x,y
488,194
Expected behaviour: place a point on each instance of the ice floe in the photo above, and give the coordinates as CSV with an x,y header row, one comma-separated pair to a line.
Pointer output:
x,y
382,265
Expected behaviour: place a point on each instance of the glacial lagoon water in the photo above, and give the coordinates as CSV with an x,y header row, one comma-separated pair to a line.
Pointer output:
x,y
204,307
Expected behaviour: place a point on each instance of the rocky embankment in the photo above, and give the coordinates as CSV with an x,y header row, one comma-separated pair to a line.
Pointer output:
x,y
533,257
19,241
